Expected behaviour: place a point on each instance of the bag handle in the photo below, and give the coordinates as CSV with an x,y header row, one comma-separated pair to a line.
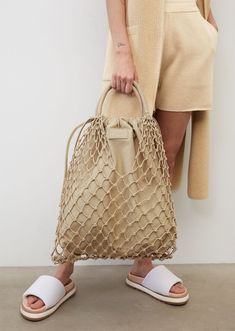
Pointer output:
x,y
137,91
140,97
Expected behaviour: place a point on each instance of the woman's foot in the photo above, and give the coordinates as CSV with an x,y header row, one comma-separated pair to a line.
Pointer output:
x,y
63,273
142,266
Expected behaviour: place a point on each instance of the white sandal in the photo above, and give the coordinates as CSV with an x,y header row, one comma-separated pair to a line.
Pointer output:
x,y
51,291
157,283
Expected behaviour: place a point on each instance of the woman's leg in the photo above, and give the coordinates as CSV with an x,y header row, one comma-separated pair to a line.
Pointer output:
x,y
173,127
63,273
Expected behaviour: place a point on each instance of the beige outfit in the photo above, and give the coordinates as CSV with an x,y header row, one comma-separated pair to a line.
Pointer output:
x,y
145,25
186,76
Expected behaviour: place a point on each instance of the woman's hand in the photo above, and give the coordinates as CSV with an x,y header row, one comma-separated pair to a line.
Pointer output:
x,y
124,72
212,20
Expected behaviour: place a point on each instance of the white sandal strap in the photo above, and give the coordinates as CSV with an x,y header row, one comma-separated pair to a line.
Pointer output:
x,y
48,288
160,280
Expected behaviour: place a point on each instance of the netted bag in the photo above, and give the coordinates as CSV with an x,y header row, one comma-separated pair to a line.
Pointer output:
x,y
116,197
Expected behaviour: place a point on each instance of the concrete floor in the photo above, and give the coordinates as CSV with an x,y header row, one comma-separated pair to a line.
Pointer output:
x,y
103,302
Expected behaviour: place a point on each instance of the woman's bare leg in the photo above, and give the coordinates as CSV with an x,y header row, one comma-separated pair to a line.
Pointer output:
x,y
63,273
173,127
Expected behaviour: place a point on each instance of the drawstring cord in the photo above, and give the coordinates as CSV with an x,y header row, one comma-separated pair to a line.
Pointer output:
x,y
83,124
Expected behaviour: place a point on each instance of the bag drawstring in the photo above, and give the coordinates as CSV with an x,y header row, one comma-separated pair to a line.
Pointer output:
x,y
69,140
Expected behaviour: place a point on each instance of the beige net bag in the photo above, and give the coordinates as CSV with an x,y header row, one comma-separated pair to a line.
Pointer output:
x,y
116,198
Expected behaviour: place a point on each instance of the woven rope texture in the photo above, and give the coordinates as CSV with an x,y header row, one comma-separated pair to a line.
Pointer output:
x,y
116,197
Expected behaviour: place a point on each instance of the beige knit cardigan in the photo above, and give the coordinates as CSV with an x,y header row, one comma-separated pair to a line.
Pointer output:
x,y
144,20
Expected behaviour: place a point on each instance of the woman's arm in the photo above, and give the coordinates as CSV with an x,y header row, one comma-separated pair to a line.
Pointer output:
x,y
124,71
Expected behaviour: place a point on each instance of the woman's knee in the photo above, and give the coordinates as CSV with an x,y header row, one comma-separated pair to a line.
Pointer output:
x,y
173,128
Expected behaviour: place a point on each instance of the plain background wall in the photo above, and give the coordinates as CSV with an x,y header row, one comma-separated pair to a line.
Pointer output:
x,y
51,63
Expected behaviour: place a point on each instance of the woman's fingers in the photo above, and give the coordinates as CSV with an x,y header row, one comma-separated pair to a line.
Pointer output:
x,y
129,86
124,73
124,83
118,84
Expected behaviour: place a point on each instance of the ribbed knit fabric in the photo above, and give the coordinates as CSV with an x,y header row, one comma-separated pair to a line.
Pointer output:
x,y
145,25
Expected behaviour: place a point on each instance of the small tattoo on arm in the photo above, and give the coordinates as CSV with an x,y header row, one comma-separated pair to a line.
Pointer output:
x,y
119,44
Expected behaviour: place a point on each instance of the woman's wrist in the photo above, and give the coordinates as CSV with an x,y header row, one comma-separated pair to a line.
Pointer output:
x,y
122,48
123,52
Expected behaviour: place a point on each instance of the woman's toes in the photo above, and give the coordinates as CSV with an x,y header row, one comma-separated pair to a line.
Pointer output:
x,y
34,302
31,299
178,288
38,304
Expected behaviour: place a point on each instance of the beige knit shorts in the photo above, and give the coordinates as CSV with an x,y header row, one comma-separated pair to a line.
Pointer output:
x,y
186,76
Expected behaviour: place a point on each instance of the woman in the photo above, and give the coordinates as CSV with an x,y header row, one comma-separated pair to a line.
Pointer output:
x,y
176,77
185,80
